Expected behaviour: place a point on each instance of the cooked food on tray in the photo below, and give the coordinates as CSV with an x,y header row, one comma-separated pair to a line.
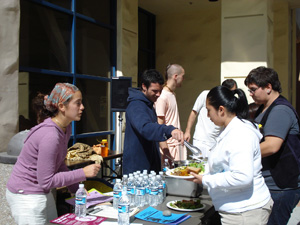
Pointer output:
x,y
187,204
197,168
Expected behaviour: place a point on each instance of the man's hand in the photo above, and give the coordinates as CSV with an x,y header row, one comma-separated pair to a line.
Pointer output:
x,y
178,135
190,123
91,170
187,136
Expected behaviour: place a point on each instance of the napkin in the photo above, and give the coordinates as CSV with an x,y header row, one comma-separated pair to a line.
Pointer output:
x,y
94,198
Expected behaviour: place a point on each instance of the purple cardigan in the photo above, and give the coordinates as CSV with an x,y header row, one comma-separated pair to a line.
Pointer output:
x,y
40,165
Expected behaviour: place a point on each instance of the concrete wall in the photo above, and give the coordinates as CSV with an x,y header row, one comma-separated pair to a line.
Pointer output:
x,y
282,48
247,38
9,66
127,39
194,41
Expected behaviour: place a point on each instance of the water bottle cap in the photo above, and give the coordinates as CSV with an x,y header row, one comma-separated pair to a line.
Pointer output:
x,y
81,185
125,175
166,160
118,180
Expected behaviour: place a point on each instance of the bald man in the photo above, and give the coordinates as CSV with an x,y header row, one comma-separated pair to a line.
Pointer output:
x,y
167,112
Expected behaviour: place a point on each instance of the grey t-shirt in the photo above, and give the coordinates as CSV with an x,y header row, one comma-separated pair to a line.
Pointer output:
x,y
281,122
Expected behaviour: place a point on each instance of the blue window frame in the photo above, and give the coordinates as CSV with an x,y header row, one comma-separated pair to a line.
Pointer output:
x,y
71,41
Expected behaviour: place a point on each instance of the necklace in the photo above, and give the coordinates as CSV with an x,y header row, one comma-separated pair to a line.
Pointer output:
x,y
170,89
59,124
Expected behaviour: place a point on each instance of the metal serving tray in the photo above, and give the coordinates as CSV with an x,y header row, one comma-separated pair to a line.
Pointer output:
x,y
181,187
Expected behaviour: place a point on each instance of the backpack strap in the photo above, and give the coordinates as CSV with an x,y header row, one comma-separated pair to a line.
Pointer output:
x,y
278,101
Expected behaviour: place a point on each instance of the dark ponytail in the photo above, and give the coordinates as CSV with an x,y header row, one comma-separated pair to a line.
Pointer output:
x,y
40,109
234,101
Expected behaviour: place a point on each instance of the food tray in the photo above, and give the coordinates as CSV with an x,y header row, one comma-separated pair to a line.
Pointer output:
x,y
181,187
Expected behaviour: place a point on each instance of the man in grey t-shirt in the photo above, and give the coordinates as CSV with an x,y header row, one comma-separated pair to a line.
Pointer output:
x,y
264,87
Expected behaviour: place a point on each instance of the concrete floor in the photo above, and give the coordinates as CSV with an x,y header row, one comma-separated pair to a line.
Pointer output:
x,y
5,218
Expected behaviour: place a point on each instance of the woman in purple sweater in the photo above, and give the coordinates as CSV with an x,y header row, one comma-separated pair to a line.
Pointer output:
x,y
40,165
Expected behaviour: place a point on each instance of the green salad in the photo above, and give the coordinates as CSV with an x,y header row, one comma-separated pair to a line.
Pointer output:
x,y
187,204
198,165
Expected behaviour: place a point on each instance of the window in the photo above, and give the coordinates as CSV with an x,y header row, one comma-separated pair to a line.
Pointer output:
x,y
69,41
146,54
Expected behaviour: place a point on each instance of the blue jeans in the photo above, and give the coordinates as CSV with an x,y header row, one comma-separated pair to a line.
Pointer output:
x,y
284,203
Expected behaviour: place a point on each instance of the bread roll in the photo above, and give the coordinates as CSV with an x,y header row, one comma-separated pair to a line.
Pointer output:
x,y
193,169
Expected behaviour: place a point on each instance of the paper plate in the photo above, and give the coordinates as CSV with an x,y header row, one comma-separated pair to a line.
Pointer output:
x,y
169,173
184,210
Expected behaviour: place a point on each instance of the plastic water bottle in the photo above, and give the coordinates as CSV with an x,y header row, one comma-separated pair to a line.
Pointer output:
x,y
123,208
166,166
125,180
153,194
131,190
117,193
140,193
147,190
163,180
160,196
80,201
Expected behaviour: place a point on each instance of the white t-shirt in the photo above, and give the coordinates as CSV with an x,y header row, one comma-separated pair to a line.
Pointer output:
x,y
206,131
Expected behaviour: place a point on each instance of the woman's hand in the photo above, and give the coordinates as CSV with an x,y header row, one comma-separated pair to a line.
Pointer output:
x,y
91,170
197,178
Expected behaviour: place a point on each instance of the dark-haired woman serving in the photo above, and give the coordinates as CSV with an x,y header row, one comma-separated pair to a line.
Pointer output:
x,y
234,179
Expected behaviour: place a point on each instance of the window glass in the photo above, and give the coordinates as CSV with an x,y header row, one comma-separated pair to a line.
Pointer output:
x,y
36,83
92,49
63,3
96,111
96,9
146,54
46,43
143,31
44,37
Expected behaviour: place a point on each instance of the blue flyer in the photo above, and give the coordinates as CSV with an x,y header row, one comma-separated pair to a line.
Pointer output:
x,y
153,215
